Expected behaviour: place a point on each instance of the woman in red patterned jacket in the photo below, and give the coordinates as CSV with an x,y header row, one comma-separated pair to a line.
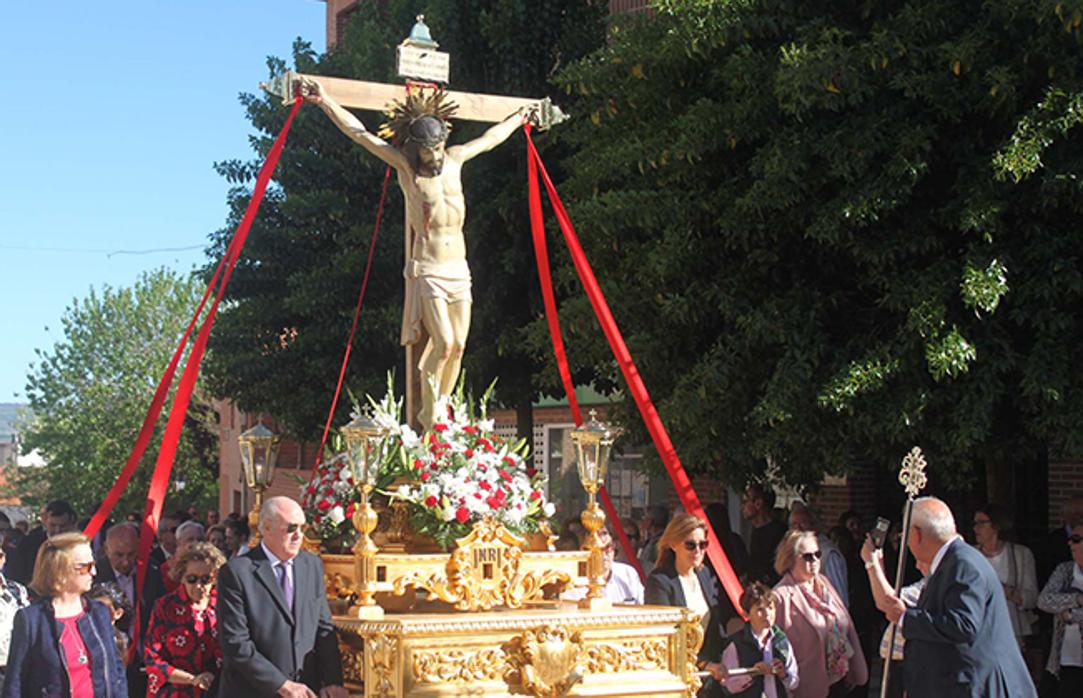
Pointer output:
x,y
182,654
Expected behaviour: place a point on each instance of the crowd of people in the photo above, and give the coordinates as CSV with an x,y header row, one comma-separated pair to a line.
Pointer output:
x,y
218,617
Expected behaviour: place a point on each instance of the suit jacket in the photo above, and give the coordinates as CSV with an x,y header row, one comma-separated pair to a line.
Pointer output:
x,y
263,643
664,589
153,588
20,566
959,639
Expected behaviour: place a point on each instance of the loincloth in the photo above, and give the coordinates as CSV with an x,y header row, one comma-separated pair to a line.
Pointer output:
x,y
449,282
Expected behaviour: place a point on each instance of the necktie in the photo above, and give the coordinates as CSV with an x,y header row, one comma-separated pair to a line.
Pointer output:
x,y
286,583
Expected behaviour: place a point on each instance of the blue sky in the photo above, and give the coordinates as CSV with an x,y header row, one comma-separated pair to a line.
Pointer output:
x,y
115,112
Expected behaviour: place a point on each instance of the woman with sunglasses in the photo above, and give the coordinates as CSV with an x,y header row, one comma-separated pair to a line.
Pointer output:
x,y
679,578
829,657
62,644
182,653
1063,597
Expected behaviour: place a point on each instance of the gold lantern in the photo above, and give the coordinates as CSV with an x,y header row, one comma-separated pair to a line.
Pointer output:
x,y
363,436
593,443
259,453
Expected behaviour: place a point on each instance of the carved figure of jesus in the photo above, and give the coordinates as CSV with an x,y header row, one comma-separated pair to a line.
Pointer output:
x,y
438,287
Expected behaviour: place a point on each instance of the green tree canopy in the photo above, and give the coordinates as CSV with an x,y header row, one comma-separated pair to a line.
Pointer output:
x,y
90,393
278,346
814,223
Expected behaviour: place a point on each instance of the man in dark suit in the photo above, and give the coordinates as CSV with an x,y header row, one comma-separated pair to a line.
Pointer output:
x,y
121,550
959,639
57,517
274,623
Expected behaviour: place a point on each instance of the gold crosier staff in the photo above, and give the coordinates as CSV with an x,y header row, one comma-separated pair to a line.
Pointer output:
x,y
912,478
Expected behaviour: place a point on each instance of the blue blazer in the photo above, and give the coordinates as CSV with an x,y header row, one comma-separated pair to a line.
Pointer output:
x,y
36,667
959,639
264,643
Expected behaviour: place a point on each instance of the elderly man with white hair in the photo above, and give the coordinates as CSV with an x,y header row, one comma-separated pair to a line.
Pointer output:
x,y
959,639
274,623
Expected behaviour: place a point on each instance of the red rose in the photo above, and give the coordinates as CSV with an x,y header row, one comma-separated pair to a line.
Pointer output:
x,y
493,502
501,494
469,453
323,505
462,515
430,501
470,429
485,486
507,460
425,476
531,472
477,495
349,511
439,427
504,475
535,495
418,465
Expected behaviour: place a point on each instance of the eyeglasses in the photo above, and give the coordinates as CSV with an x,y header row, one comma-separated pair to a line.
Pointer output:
x,y
84,567
1075,539
197,579
812,557
691,545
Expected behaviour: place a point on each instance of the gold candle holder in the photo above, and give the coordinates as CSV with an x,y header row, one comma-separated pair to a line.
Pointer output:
x,y
593,443
361,434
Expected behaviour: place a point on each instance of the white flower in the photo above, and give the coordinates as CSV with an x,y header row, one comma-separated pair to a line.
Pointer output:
x,y
549,509
336,514
410,440
487,425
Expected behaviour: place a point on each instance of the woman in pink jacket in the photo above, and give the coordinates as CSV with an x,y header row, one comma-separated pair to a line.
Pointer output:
x,y
816,622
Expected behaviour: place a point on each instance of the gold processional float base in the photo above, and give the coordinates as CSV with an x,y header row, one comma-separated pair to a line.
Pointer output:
x,y
485,620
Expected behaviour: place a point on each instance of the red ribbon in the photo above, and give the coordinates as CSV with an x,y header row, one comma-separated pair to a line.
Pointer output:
x,y
681,483
163,467
545,275
353,327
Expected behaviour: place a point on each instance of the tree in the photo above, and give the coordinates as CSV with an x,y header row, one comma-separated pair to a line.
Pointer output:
x,y
90,393
278,346
800,214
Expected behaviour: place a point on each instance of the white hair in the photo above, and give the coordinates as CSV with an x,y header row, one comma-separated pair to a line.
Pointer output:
x,y
187,525
933,517
273,508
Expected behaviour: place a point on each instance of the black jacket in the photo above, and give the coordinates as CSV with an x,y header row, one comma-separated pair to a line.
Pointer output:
x,y
263,643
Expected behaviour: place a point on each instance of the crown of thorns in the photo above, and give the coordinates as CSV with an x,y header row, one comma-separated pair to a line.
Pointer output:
x,y
417,106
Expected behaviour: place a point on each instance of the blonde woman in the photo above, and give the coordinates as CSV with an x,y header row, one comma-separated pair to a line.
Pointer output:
x,y
63,644
679,578
816,622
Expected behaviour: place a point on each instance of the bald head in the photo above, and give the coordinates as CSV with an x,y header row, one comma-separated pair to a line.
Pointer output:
x,y
121,547
280,521
931,526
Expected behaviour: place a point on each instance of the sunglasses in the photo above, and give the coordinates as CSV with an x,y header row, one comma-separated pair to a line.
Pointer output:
x,y
197,579
1075,539
691,545
293,528
812,557
84,567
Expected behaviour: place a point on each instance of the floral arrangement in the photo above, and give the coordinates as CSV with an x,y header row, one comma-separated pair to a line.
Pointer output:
x,y
455,474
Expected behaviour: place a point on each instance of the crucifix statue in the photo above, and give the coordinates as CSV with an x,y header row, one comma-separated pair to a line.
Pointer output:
x,y
437,302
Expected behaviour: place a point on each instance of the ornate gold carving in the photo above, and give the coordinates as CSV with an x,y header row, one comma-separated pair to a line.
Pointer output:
x,y
484,571
338,586
612,658
381,652
912,475
460,666
353,664
546,660
693,638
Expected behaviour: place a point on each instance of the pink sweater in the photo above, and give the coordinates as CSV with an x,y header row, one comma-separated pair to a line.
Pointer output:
x,y
807,630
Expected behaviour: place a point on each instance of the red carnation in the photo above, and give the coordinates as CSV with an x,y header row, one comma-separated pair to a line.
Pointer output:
x,y
485,486
493,502
505,475
469,453
430,501
507,460
462,515
470,429
425,476
501,494
531,472
418,465
535,495
323,505
477,495
349,511
439,427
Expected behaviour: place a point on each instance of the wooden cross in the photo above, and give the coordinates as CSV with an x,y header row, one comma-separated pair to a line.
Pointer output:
x,y
374,96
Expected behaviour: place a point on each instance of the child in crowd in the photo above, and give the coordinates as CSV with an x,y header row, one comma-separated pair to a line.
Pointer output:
x,y
120,609
760,645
